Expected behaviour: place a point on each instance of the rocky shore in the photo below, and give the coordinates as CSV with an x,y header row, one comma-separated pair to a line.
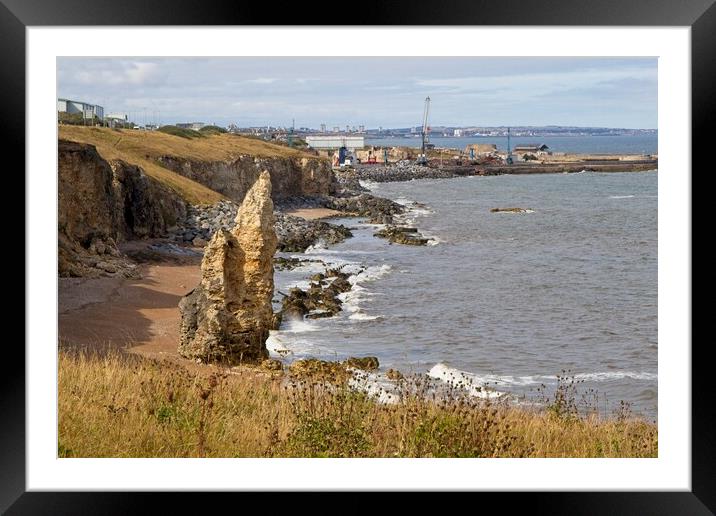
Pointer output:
x,y
113,216
399,171
408,170
294,233
321,299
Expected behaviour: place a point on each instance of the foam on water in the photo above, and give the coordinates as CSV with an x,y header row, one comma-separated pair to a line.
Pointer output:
x,y
298,326
370,274
375,385
308,268
302,284
370,185
621,196
442,371
275,344
514,212
361,316
462,379
616,375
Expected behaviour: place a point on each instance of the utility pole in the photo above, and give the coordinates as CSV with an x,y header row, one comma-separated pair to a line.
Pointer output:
x,y
289,138
509,150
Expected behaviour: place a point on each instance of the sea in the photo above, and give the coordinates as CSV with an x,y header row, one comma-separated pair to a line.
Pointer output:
x,y
636,144
519,303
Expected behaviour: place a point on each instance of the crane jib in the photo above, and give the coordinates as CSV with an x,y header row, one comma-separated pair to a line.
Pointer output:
x,y
424,133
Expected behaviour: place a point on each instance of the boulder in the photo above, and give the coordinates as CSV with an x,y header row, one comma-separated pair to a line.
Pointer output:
x,y
401,235
364,363
199,242
227,317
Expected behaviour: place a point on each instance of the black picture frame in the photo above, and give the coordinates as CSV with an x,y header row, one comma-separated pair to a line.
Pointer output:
x,y
16,15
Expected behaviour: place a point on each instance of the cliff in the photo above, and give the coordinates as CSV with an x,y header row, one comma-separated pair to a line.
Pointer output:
x,y
227,317
290,176
210,168
101,203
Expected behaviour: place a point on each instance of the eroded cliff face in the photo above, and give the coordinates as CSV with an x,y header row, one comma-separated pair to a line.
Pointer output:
x,y
101,203
289,176
145,208
227,317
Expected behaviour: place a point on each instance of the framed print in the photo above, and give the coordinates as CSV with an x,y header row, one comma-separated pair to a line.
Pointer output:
x,y
447,250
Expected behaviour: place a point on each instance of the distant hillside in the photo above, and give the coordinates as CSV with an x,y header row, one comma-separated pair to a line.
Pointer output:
x,y
145,148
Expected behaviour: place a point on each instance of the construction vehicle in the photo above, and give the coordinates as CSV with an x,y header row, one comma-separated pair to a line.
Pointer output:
x,y
423,157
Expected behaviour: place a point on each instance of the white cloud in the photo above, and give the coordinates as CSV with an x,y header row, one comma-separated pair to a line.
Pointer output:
x,y
371,91
130,73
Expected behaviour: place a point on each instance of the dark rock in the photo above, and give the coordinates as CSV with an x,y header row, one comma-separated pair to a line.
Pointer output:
x,y
296,234
399,235
511,210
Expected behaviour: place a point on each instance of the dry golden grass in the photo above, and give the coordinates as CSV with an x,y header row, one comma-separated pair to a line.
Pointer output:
x,y
142,148
124,406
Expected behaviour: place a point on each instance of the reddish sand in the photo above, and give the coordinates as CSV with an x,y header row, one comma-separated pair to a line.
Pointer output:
x,y
139,314
315,213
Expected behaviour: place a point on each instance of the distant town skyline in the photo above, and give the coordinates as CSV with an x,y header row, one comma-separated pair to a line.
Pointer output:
x,y
369,91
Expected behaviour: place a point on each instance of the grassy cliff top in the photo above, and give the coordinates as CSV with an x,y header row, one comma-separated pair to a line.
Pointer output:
x,y
142,148
208,147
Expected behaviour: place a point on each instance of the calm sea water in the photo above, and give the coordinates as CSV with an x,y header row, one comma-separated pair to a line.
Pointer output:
x,y
643,144
512,299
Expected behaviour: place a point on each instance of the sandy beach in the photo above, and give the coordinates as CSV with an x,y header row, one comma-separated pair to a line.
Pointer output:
x,y
314,213
139,314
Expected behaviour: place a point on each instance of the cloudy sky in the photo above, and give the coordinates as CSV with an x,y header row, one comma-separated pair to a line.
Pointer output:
x,y
386,91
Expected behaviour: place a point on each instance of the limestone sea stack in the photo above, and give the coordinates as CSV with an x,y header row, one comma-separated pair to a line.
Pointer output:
x,y
227,317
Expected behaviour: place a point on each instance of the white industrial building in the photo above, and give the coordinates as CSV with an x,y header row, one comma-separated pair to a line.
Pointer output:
x,y
74,106
117,120
322,142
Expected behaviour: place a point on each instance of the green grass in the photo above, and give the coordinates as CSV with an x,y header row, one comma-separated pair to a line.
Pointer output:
x,y
179,131
212,129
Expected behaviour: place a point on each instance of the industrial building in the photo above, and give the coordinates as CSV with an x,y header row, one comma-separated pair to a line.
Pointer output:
x,y
340,148
75,106
323,142
117,120
537,150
